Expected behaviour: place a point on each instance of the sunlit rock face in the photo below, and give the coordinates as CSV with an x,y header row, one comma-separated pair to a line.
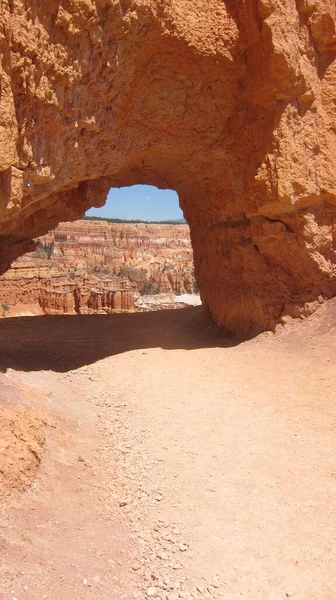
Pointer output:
x,y
37,286
232,104
92,266
155,258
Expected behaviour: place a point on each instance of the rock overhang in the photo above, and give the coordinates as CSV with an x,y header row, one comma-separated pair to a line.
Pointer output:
x,y
230,105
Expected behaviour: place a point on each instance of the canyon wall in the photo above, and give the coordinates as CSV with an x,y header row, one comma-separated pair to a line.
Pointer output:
x,y
36,286
98,267
156,258
232,104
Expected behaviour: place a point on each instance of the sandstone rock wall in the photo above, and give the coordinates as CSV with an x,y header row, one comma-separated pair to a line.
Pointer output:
x,y
96,266
229,103
37,286
156,258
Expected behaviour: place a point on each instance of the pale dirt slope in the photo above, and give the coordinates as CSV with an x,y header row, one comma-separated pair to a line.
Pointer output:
x,y
174,460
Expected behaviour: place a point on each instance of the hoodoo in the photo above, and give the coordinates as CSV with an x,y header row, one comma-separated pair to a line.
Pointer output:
x,y
232,104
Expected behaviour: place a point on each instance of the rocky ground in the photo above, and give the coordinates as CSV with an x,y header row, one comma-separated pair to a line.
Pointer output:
x,y
170,462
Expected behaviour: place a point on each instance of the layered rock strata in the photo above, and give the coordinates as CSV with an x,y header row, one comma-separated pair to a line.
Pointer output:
x,y
232,104
96,266
155,258
43,287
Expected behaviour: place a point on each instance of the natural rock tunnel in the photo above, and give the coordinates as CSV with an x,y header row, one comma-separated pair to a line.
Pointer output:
x,y
232,104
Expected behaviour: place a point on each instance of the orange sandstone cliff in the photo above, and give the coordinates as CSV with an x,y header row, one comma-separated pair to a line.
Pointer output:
x,y
98,267
36,286
232,104
154,257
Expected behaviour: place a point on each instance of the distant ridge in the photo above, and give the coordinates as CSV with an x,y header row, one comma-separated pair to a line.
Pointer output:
x,y
112,220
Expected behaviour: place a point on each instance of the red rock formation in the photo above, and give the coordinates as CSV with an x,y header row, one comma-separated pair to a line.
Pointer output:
x,y
37,286
103,299
154,257
22,425
96,266
55,301
229,103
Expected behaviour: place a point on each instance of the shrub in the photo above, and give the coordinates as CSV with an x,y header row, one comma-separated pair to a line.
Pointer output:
x,y
149,289
46,250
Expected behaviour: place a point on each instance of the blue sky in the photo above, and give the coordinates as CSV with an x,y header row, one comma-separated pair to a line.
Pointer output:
x,y
143,202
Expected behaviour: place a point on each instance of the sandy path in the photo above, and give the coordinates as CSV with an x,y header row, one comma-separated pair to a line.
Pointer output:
x,y
180,466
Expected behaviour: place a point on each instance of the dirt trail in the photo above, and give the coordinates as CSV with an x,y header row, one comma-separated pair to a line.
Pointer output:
x,y
176,464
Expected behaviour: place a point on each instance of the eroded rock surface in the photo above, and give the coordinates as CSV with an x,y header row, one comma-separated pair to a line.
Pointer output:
x,y
154,257
230,104
38,286
22,435
99,267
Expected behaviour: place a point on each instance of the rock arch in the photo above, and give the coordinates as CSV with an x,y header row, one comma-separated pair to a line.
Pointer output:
x,y
229,103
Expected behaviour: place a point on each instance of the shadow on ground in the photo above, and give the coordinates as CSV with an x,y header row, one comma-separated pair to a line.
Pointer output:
x,y
62,343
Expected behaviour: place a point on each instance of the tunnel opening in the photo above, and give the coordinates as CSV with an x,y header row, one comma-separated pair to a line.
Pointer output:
x,y
133,254
143,95
140,203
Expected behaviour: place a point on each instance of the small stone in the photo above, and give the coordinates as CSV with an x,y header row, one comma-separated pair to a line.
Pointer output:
x,y
85,581
173,596
169,538
122,503
151,592
169,585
